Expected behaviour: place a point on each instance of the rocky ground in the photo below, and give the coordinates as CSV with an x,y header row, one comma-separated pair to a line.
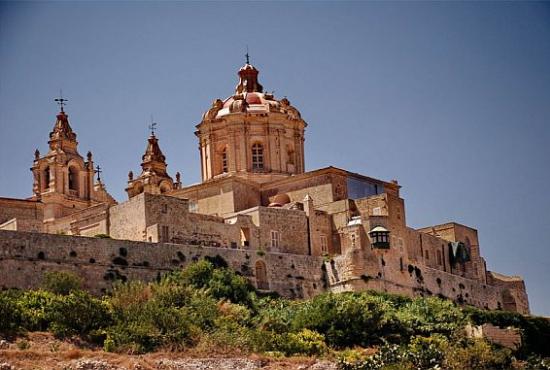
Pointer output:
x,y
42,351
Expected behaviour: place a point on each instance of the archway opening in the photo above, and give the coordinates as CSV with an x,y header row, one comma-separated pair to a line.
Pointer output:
x,y
261,276
73,178
46,177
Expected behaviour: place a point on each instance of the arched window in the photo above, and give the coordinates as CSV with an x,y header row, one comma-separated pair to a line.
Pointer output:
x,y
290,156
73,178
224,161
46,178
257,157
261,276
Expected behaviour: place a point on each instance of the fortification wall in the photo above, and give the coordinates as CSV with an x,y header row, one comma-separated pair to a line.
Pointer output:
x,y
24,257
383,273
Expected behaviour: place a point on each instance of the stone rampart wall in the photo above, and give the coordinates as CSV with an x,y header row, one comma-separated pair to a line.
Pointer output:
x,y
24,257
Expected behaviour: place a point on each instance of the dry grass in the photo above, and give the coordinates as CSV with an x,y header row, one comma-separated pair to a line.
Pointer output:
x,y
47,353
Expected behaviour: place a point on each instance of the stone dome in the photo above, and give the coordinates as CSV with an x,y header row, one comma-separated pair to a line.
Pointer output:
x,y
249,97
280,200
251,134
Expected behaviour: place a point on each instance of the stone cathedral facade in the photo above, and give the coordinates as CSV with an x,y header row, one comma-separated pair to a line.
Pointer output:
x,y
288,230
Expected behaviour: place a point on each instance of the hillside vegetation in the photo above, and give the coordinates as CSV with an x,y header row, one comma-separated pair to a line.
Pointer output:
x,y
208,306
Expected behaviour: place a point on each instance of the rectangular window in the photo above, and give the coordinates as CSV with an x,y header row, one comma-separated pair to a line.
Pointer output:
x,y
427,255
164,208
164,234
257,157
324,244
275,239
439,258
224,161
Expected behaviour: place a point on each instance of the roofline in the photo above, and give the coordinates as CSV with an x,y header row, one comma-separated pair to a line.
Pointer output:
x,y
20,200
329,169
215,181
447,224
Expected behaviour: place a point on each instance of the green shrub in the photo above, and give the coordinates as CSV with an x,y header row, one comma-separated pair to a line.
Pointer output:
x,y
345,319
225,284
276,315
427,352
424,316
477,354
11,315
34,304
306,342
76,314
109,345
230,330
387,357
61,282
221,283
147,316
535,330
197,274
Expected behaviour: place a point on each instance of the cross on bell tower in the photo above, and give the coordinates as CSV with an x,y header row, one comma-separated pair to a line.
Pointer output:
x,y
153,127
61,101
98,171
154,178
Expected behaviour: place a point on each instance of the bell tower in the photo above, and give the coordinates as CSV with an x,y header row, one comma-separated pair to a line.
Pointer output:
x,y
154,178
251,134
63,181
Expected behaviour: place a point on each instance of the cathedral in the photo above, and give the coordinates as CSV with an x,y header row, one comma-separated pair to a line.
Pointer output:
x,y
290,231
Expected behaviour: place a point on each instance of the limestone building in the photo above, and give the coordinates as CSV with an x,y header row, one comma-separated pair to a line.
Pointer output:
x,y
294,232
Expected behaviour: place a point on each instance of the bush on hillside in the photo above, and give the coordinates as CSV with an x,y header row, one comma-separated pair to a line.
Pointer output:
x,y
221,282
349,319
76,314
61,282
424,316
11,315
147,316
535,331
35,304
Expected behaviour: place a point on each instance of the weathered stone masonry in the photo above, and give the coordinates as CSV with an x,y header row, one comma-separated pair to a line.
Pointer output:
x,y
24,257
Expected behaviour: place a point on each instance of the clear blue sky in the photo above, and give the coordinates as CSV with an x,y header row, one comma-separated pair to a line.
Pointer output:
x,y
451,99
